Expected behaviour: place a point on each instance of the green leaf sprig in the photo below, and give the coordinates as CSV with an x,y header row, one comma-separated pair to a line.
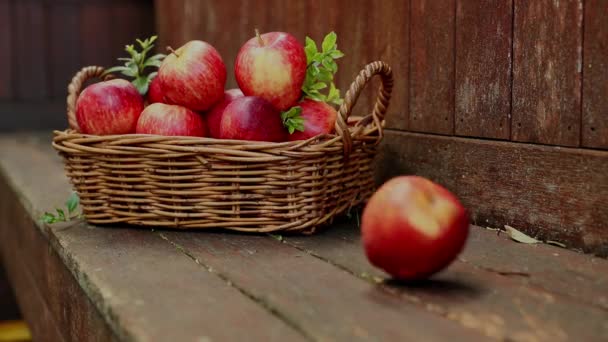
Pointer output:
x,y
321,68
136,65
293,120
71,204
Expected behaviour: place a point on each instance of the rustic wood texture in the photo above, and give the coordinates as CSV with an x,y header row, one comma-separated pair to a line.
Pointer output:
x,y
478,291
390,43
8,305
43,43
64,34
134,279
44,285
550,192
6,55
98,50
29,48
547,72
595,75
432,66
324,301
483,68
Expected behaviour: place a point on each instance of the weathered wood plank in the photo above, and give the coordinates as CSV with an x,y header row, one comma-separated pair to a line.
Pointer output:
x,y
6,70
19,116
501,306
71,314
8,305
132,20
30,51
129,275
432,66
97,42
547,72
595,75
483,68
390,43
327,303
551,192
64,36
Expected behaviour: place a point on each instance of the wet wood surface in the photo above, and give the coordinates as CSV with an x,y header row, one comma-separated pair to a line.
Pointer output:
x,y
104,283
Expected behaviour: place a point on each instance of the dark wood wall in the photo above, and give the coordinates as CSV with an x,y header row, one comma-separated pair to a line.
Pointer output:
x,y
503,101
44,42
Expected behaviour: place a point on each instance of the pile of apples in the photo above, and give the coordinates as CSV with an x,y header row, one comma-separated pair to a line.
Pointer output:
x,y
279,96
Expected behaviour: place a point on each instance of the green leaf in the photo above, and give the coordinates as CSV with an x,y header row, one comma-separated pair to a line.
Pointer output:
x,y
318,86
293,120
336,54
72,202
329,41
310,49
141,83
152,62
325,76
151,76
60,215
48,218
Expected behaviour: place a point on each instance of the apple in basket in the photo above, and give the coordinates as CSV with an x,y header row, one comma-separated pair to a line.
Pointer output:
x,y
171,120
193,76
272,66
252,118
214,116
155,92
413,228
109,107
319,118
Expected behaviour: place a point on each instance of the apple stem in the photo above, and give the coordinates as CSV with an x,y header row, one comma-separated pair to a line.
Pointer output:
x,y
260,40
172,51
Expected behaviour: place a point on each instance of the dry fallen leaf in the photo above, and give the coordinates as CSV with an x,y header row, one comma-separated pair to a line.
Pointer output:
x,y
518,236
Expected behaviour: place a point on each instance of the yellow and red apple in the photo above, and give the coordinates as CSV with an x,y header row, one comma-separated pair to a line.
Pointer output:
x,y
193,76
272,66
319,118
109,107
412,227
170,120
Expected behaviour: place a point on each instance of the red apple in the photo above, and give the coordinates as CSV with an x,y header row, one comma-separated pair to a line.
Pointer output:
x,y
214,116
109,107
193,76
273,67
155,92
252,118
171,120
319,118
412,228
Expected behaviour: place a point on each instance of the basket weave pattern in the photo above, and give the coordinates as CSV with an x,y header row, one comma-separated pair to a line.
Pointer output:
x,y
192,182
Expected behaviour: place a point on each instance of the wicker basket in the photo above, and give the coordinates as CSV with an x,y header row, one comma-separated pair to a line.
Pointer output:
x,y
192,182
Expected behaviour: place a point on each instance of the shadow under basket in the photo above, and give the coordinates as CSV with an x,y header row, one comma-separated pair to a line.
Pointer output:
x,y
193,182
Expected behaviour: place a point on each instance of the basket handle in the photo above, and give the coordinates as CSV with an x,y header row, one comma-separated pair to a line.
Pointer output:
x,y
350,99
75,88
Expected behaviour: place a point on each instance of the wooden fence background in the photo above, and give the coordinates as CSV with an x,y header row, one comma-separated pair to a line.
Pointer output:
x,y
44,42
503,101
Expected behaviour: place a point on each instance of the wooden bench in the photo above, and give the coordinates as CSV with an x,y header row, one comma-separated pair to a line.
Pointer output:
x,y
76,282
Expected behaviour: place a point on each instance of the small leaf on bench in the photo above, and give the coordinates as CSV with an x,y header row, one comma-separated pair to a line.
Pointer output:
x,y
518,236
